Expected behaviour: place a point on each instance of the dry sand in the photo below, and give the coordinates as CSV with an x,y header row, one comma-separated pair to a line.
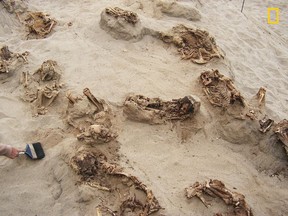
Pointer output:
x,y
169,157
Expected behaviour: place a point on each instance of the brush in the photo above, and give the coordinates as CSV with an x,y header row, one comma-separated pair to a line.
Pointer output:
x,y
34,151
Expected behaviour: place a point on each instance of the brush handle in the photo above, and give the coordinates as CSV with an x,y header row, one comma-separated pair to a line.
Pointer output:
x,y
21,153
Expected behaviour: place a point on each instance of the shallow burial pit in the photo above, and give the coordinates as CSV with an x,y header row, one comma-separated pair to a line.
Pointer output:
x,y
244,122
264,150
125,194
91,117
194,44
10,62
121,24
157,111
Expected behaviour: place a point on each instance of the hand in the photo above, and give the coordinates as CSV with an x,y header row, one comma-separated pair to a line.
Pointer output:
x,y
14,153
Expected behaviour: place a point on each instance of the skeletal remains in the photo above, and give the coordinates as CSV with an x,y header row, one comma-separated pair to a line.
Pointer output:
x,y
39,25
221,92
49,71
91,117
220,89
46,95
281,129
216,188
121,24
48,77
265,124
10,61
255,106
96,172
194,44
128,16
43,86
157,111
97,133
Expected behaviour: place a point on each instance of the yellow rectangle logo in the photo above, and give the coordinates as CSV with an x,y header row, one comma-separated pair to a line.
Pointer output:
x,y
276,21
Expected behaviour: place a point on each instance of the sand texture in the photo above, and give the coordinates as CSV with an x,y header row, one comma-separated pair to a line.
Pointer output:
x,y
158,107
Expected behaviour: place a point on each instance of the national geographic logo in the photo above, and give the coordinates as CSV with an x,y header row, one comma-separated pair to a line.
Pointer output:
x,y
275,12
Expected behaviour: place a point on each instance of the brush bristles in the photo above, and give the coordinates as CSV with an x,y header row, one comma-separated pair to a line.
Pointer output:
x,y
38,150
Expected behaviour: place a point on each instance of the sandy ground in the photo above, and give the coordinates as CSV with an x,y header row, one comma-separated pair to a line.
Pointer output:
x,y
167,158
